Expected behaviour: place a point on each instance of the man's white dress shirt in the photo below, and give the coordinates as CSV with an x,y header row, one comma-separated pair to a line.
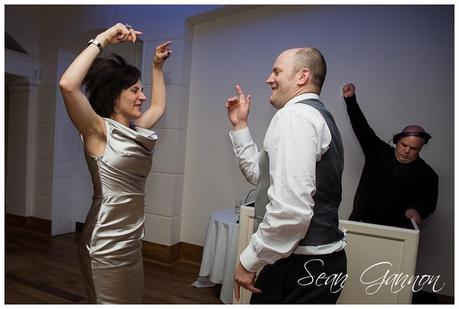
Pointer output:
x,y
296,139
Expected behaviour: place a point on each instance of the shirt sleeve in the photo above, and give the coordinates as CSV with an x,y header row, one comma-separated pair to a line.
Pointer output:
x,y
293,146
426,200
246,154
368,140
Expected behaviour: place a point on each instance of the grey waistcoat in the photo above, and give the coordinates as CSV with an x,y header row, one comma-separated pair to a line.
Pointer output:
x,y
324,224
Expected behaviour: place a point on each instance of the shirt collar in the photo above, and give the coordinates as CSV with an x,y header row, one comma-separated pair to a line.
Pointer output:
x,y
302,97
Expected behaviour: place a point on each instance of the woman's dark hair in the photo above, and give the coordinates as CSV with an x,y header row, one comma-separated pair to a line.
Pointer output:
x,y
106,78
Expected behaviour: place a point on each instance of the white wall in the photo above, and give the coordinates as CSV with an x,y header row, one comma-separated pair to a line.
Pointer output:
x,y
21,100
399,57
22,189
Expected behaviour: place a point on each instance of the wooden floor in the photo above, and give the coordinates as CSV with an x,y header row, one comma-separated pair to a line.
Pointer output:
x,y
42,269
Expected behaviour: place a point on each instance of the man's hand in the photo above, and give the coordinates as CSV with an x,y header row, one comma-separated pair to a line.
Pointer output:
x,y
348,90
244,278
238,109
412,213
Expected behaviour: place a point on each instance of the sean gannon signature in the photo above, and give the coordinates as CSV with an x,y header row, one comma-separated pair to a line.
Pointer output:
x,y
396,281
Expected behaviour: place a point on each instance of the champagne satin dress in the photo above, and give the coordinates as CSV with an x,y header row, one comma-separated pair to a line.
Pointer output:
x,y
111,241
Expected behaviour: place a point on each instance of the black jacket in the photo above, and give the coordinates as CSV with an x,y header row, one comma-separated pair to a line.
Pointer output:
x,y
387,188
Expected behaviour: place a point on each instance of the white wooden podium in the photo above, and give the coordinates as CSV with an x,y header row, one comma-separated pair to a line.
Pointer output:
x,y
377,257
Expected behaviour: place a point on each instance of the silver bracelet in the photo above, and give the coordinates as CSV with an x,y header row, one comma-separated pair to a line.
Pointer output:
x,y
97,43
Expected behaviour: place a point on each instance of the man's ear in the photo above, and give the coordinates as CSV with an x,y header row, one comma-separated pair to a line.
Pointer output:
x,y
304,76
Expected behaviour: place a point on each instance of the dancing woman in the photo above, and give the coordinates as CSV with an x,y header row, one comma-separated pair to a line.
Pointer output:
x,y
118,147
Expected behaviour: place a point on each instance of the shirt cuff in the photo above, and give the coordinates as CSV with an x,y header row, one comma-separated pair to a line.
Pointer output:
x,y
351,100
241,136
250,261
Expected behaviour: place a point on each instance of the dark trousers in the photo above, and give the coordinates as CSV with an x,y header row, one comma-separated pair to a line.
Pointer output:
x,y
302,279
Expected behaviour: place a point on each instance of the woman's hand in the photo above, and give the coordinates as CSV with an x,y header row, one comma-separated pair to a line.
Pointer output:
x,y
158,88
118,33
162,52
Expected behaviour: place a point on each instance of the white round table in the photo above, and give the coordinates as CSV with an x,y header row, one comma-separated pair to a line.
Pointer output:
x,y
219,255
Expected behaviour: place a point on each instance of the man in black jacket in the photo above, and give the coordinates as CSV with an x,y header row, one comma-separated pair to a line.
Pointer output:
x,y
396,184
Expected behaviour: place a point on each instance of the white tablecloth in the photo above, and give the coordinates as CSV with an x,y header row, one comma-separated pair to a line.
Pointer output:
x,y
219,255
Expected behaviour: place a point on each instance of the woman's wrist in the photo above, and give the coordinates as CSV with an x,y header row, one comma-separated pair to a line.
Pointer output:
x,y
157,66
102,40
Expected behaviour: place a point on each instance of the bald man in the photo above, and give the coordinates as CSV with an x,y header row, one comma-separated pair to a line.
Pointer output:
x,y
297,244
396,184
